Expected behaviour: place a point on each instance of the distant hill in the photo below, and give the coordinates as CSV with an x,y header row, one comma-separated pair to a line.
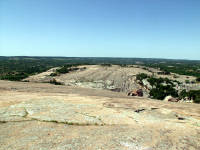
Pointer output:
x,y
20,67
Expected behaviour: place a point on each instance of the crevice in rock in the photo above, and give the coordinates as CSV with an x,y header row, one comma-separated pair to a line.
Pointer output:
x,y
181,118
25,117
15,121
140,110
154,108
102,123
2,122
55,121
67,122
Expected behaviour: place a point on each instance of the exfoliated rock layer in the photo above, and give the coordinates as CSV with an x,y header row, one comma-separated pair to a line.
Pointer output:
x,y
42,116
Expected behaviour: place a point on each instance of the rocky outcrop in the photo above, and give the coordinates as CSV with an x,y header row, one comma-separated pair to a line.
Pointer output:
x,y
43,77
113,78
44,116
138,92
146,84
171,99
186,100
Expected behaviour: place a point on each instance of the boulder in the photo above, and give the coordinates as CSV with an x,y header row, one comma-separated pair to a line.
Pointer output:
x,y
186,100
170,99
138,92
167,98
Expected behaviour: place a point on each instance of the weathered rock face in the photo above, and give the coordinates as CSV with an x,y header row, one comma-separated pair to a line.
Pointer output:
x,y
170,99
138,92
49,117
147,84
113,78
186,100
43,77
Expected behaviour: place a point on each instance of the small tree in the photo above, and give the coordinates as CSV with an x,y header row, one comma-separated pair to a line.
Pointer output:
x,y
183,94
160,92
198,79
187,81
141,76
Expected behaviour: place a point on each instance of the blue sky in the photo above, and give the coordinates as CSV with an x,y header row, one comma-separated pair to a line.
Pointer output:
x,y
101,28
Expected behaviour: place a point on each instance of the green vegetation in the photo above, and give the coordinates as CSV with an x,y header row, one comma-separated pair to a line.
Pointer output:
x,y
18,68
193,94
161,91
182,67
106,65
183,94
67,69
14,76
141,76
158,81
54,74
187,81
161,87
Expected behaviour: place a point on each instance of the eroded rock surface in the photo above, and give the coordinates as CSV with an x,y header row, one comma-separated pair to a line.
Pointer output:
x,y
55,118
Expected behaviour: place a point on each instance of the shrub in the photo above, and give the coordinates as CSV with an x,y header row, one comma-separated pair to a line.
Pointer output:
x,y
67,69
54,74
175,76
193,94
187,81
157,81
141,76
197,99
183,94
62,70
14,76
160,92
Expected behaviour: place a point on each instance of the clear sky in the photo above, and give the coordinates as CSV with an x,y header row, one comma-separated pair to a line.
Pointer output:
x,y
101,28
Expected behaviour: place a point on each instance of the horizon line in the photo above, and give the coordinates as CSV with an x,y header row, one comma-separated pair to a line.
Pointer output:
x,y
186,59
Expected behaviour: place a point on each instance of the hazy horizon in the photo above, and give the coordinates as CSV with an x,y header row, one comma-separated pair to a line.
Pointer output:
x,y
101,57
106,28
